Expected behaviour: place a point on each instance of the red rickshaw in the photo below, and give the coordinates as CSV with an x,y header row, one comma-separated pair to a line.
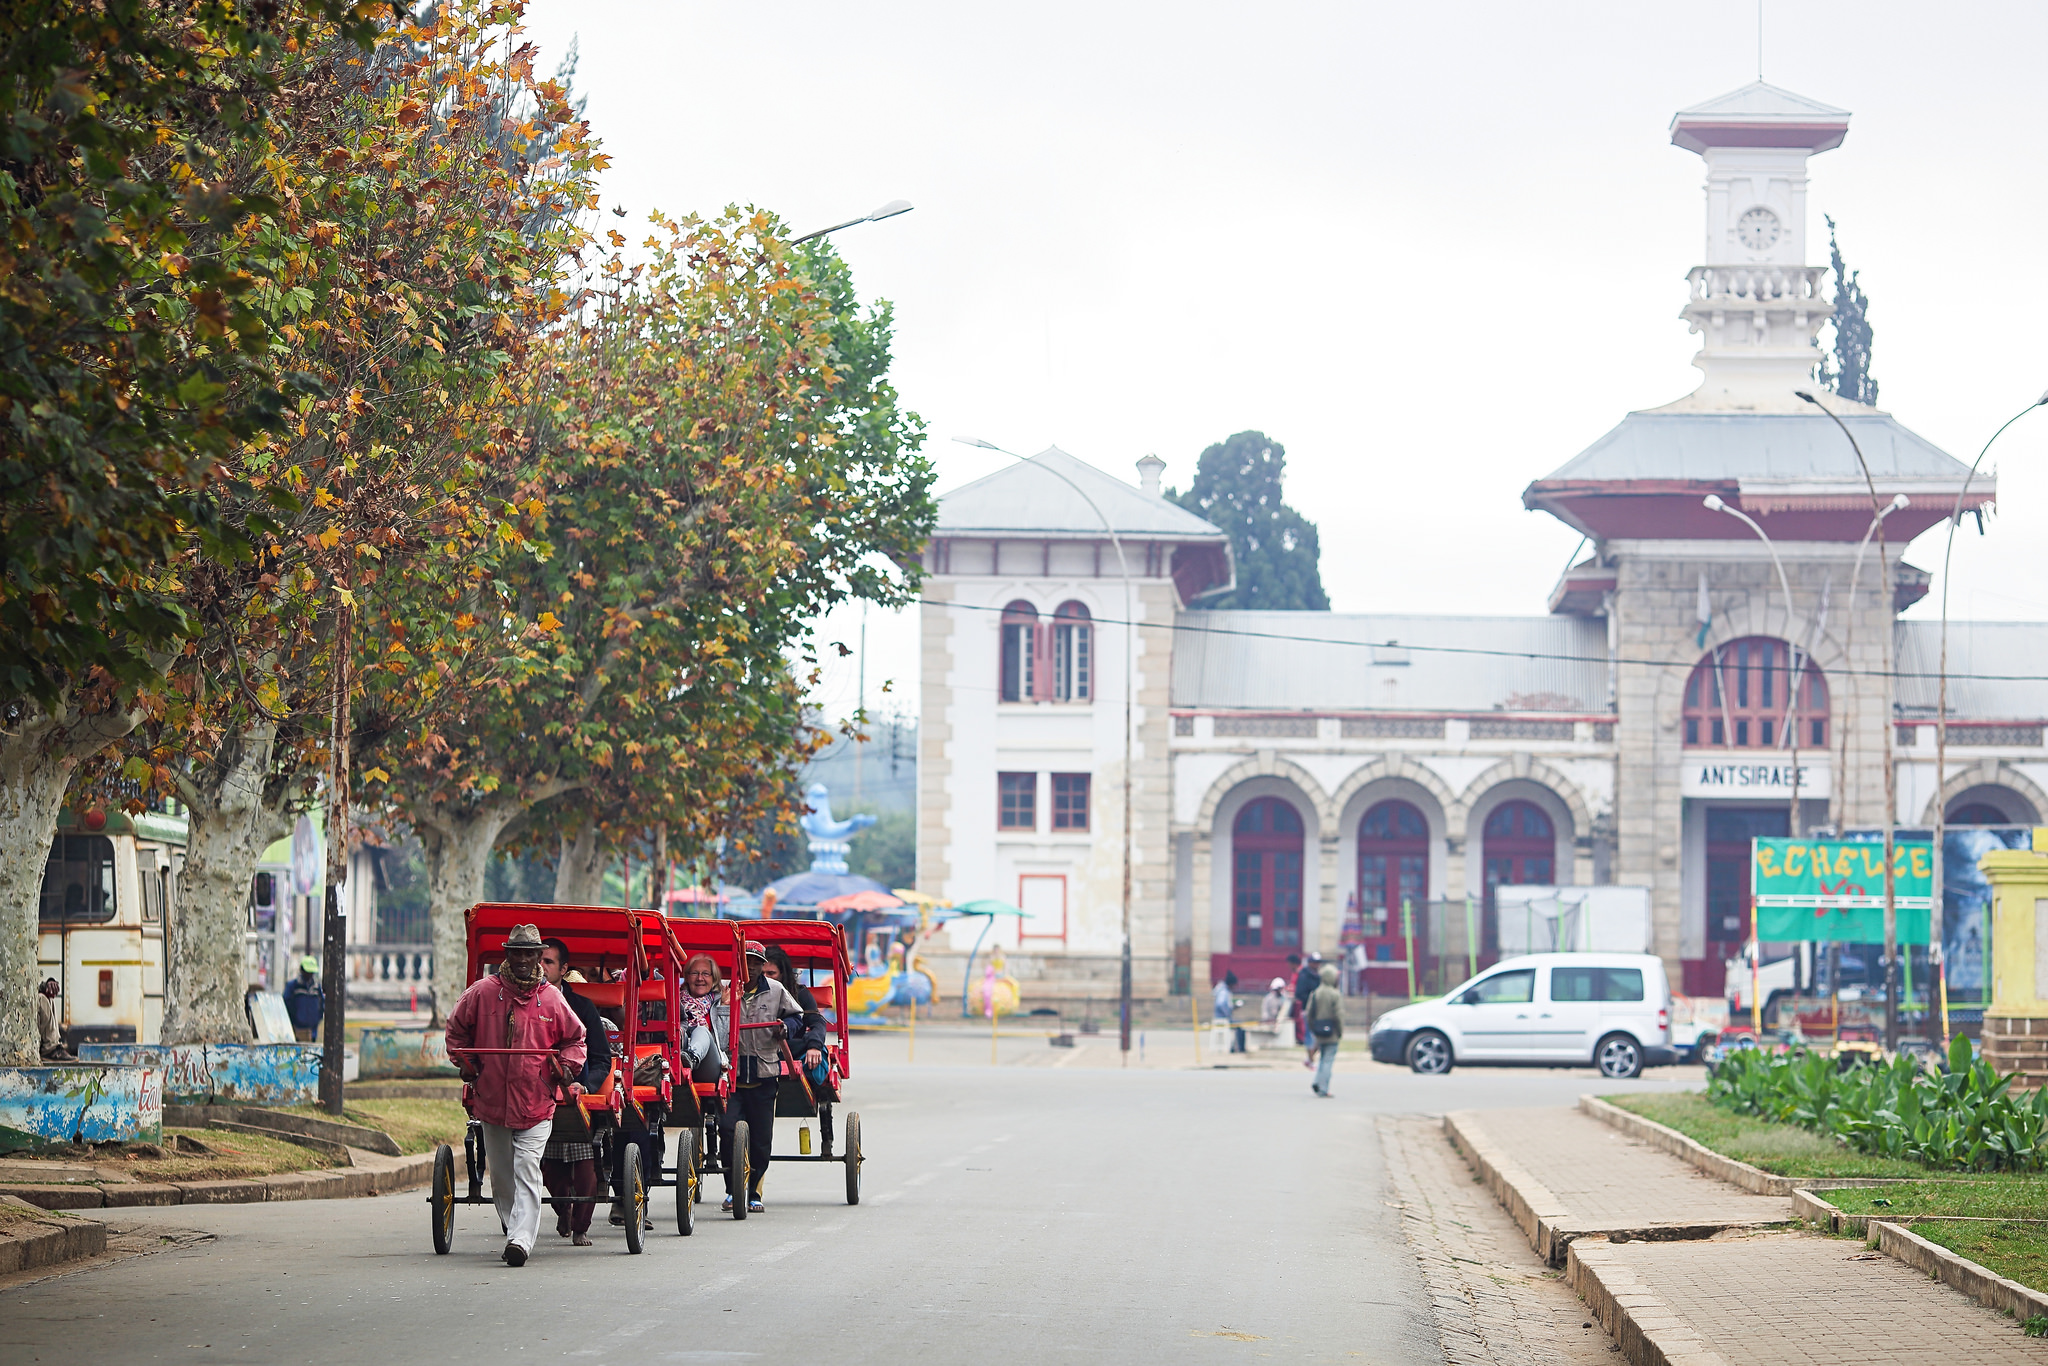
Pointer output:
x,y
640,1096
817,949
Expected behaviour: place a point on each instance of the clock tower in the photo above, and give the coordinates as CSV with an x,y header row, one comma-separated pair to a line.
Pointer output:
x,y
1755,302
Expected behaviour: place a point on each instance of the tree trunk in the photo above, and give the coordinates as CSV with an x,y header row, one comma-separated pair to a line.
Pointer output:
x,y
230,825
458,849
579,872
37,757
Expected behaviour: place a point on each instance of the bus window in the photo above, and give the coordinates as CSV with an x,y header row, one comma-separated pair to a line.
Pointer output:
x,y
78,883
152,896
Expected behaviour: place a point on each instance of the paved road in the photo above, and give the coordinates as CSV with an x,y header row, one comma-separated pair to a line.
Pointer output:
x,y
1014,1212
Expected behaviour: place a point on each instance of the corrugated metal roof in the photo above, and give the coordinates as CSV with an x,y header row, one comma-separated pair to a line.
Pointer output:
x,y
1030,500
1260,660
1760,446
2006,648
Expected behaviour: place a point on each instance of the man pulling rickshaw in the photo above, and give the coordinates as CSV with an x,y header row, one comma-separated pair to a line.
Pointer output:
x,y
516,1040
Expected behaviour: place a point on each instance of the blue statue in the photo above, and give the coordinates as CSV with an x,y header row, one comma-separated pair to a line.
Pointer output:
x,y
829,838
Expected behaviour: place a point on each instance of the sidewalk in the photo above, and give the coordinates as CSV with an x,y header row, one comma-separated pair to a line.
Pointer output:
x,y
1680,1267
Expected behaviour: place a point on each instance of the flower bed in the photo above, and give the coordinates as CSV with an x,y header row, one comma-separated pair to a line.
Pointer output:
x,y
1967,1119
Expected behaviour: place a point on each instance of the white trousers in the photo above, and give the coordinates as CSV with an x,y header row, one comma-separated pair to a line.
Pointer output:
x,y
512,1157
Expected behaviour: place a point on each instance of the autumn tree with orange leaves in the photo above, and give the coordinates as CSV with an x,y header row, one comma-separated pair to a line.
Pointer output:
x,y
707,457
413,253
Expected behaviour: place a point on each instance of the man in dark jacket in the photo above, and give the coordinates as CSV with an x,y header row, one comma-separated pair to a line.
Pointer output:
x,y
303,1000
569,1164
1305,983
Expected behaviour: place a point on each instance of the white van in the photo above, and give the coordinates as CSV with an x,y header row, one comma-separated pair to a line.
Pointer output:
x,y
1612,1010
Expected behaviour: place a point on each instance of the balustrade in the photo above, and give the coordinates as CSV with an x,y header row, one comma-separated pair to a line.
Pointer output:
x,y
1757,284
391,962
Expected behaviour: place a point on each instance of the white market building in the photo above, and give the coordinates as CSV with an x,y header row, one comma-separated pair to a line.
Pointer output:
x,y
1297,777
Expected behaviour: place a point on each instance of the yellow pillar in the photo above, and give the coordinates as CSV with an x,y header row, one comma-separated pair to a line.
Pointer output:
x,y
2016,1023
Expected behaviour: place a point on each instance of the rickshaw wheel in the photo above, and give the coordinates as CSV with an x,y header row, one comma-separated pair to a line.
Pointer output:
x,y
852,1159
738,1157
634,1198
686,1182
442,1202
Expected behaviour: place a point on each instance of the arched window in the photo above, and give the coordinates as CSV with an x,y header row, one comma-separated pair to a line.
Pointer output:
x,y
1020,652
1738,698
1520,847
1978,813
1073,654
1265,876
1393,865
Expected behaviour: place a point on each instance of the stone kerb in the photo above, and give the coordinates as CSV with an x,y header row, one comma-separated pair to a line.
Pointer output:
x,y
1980,1283
1750,1178
1648,1331
1538,1213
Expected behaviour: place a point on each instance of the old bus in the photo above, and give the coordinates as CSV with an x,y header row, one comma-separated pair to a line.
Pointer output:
x,y
109,891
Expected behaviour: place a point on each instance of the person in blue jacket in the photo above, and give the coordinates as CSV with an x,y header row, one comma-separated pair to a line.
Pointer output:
x,y
303,1000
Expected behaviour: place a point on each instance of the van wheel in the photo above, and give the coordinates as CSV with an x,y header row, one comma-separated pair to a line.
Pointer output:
x,y
1429,1053
1619,1057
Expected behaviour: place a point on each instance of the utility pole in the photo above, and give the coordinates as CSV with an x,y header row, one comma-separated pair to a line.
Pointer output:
x,y
334,940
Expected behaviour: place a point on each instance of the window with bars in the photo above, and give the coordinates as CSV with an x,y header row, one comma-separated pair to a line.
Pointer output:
x,y
1016,801
1740,697
1070,801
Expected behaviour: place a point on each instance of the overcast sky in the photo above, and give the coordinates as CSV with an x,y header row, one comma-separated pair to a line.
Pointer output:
x,y
1435,249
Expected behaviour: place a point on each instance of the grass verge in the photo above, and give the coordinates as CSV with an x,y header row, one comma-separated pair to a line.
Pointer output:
x,y
416,1125
234,1156
1781,1149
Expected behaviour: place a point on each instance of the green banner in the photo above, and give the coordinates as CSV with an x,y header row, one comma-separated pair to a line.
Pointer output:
x,y
1833,890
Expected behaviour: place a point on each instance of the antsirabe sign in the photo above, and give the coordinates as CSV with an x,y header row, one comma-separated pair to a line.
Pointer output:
x,y
1833,890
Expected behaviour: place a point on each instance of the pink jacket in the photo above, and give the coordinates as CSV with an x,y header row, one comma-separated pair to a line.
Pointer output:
x,y
515,1091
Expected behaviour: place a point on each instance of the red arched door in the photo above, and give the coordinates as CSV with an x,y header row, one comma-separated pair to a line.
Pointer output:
x,y
1393,869
1520,846
1265,889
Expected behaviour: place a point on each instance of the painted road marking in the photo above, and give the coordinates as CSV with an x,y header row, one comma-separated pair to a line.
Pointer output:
x,y
920,1180
776,1254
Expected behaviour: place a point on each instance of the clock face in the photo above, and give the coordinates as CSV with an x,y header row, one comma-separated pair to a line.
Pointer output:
x,y
1757,229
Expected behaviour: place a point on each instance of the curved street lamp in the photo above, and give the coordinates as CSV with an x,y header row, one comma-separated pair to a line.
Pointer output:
x,y
1891,776
1130,657
888,210
1898,503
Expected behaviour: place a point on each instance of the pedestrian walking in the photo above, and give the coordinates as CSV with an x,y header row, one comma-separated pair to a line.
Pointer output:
x,y
1305,980
512,1094
1325,1026
757,1057
304,1002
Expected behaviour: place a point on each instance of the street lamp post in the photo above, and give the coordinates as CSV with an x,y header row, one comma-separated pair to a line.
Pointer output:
x,y
1940,889
1130,664
1891,776
1798,670
888,210
1899,502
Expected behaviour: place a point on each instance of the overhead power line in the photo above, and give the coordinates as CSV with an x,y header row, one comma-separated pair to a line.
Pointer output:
x,y
1687,664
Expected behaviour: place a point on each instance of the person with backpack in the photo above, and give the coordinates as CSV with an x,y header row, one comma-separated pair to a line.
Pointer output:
x,y
1325,1016
1305,979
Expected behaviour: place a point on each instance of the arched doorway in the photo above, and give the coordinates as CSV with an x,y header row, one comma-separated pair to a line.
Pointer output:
x,y
1393,869
1265,889
1518,846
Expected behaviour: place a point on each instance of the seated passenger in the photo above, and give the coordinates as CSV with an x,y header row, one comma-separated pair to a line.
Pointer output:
x,y
704,1024
808,1043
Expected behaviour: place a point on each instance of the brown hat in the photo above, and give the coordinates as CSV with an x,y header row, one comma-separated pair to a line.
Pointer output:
x,y
524,937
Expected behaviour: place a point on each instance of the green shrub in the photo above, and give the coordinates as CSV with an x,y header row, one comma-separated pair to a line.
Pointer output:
x,y
1966,1119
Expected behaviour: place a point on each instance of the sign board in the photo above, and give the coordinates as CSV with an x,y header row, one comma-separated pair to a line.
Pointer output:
x,y
272,1021
1766,777
1833,890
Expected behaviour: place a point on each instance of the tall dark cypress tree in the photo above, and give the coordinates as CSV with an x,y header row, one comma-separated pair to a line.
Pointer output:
x,y
1845,366
1237,488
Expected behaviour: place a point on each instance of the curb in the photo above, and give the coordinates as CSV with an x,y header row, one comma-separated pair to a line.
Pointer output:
x,y
372,1174
1755,1180
1647,1330
1537,1212
1961,1274
47,1242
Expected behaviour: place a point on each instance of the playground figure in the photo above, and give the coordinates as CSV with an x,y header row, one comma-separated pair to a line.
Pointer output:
x,y
829,838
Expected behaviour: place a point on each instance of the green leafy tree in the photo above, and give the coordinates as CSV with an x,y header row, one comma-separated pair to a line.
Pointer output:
x,y
702,472
133,364
1845,364
1237,489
